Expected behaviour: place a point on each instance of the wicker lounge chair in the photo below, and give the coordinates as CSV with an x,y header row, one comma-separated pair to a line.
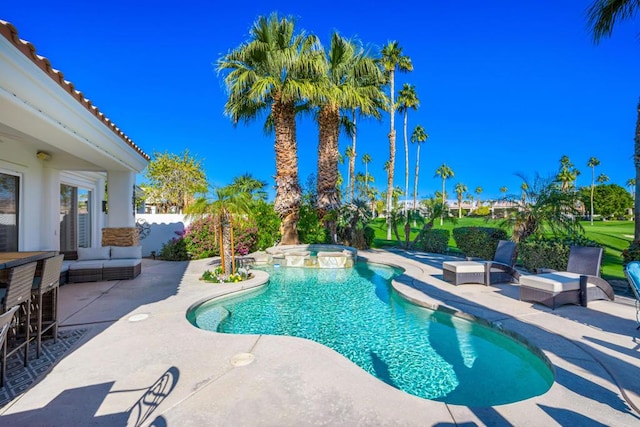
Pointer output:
x,y
579,284
632,271
499,270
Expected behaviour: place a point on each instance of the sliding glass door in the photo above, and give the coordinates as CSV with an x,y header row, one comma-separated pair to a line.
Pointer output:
x,y
9,212
75,218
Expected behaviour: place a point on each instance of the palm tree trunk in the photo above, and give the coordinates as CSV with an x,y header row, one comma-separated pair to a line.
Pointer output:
x,y
415,182
233,251
288,192
392,152
225,250
443,206
352,160
328,199
636,204
593,177
406,163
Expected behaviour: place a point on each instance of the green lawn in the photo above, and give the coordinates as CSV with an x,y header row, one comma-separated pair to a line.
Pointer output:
x,y
614,236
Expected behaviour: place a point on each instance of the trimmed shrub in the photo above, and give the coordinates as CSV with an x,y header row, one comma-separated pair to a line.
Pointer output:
x,y
267,222
310,228
433,240
549,252
369,235
481,211
478,242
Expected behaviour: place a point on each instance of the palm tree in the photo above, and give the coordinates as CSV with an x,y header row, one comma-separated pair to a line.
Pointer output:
x,y
504,190
252,186
602,15
631,183
479,191
275,71
546,208
418,137
392,59
366,159
567,174
443,172
602,178
524,187
228,205
407,99
460,190
353,80
348,153
592,163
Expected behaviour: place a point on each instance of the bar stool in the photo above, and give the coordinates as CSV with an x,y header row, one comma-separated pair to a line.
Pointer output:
x,y
44,299
5,322
18,293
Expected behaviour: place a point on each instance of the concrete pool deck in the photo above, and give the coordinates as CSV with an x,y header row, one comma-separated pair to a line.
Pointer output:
x,y
141,363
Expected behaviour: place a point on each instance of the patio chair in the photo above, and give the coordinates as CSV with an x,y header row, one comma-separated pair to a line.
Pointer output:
x,y
579,284
5,322
44,299
18,293
499,270
632,271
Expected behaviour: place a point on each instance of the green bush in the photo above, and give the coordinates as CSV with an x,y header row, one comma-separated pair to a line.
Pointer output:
x,y
433,240
478,242
369,235
268,224
549,252
174,250
482,211
632,253
310,228
200,238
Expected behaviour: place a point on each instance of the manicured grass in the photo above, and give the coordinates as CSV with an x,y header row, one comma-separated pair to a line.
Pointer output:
x,y
614,236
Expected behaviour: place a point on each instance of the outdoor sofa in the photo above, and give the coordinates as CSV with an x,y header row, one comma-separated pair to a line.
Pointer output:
x,y
101,264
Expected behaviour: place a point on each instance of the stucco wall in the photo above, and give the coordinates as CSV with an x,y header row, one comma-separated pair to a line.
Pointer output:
x,y
162,228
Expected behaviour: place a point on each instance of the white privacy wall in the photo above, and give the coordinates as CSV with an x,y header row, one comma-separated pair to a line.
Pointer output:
x,y
162,228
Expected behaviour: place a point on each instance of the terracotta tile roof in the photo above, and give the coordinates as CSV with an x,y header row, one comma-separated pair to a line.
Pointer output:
x,y
10,33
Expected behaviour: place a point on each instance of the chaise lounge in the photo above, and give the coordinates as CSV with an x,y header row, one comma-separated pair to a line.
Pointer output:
x,y
499,270
579,284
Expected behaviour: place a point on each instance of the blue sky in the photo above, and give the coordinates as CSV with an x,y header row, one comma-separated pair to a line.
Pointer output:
x,y
505,86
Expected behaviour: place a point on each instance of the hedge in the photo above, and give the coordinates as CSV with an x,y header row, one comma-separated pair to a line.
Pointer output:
x,y
478,242
551,253
433,240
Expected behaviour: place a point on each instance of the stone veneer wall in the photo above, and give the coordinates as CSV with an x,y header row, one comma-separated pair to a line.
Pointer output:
x,y
124,236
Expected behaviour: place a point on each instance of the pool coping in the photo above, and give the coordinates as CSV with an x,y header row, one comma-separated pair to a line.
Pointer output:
x,y
296,381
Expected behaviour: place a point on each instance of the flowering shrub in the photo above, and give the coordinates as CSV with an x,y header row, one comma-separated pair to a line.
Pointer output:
x,y
202,242
246,237
175,249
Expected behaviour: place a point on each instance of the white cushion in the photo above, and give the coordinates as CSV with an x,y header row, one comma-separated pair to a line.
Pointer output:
x,y
464,266
124,262
94,253
86,265
120,252
552,282
65,266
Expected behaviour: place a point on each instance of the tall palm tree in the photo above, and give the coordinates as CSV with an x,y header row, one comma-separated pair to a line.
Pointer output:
x,y
444,172
567,174
353,81
418,137
348,153
252,186
460,190
479,191
275,71
592,163
392,59
602,15
407,99
504,190
523,196
366,159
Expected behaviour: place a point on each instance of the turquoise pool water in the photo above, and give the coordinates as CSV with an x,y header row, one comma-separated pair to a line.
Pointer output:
x,y
355,311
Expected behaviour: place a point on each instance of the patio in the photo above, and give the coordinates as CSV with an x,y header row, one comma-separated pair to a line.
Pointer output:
x,y
140,362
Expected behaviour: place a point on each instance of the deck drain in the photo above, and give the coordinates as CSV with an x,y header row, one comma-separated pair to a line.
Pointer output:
x,y
242,359
138,317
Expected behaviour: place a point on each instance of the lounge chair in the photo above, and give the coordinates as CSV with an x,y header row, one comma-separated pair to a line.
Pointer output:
x,y
632,271
499,270
579,284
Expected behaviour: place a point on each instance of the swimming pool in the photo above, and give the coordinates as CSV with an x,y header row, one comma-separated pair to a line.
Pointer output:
x,y
355,311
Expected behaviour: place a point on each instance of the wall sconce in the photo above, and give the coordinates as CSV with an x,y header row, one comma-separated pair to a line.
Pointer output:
x,y
104,206
43,155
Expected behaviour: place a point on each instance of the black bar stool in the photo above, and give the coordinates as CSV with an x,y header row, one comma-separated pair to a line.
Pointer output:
x,y
44,299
